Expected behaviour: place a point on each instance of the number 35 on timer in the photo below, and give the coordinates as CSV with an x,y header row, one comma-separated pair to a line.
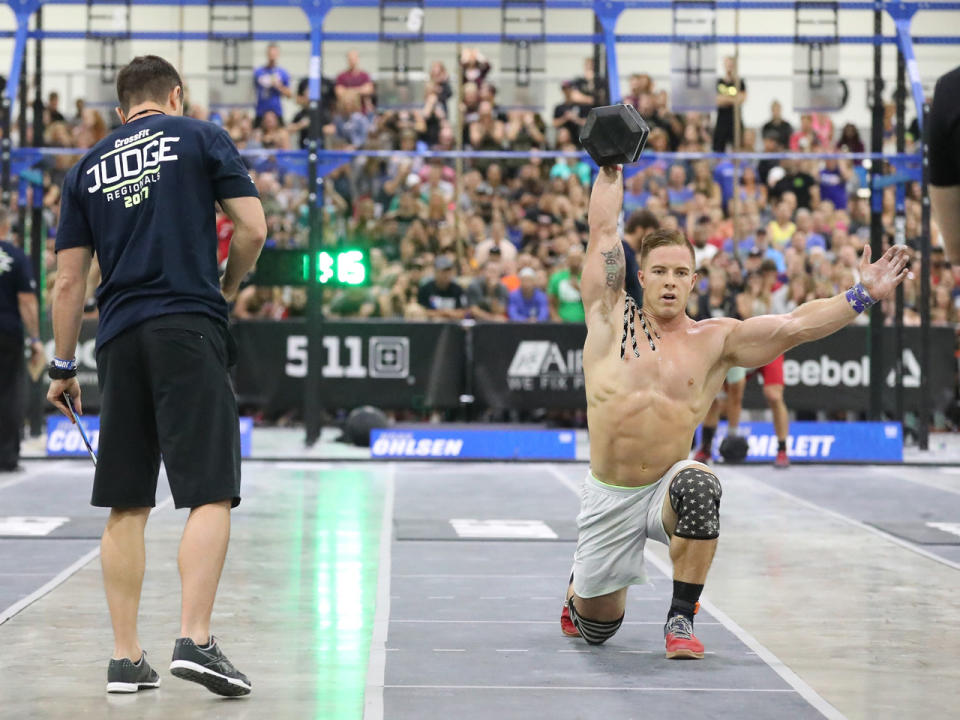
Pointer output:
x,y
347,267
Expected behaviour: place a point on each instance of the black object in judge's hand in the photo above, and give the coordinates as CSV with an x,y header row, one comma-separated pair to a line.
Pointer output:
x,y
614,134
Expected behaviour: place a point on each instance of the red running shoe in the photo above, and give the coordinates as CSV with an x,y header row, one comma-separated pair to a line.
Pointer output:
x,y
566,624
782,462
681,643
701,456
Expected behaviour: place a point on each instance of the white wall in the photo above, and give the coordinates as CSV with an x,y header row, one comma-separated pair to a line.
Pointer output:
x,y
766,68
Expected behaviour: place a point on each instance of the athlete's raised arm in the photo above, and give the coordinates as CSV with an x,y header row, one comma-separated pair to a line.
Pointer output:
x,y
602,282
759,340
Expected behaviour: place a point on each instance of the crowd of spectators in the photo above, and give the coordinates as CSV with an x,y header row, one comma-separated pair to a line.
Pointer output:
x,y
507,242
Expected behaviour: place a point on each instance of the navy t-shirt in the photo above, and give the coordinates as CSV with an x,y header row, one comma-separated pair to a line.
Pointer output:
x,y
15,277
143,199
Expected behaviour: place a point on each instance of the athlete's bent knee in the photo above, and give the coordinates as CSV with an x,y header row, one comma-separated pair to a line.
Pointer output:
x,y
595,632
695,498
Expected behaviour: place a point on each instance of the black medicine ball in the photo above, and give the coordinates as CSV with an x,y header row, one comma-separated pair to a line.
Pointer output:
x,y
733,449
361,421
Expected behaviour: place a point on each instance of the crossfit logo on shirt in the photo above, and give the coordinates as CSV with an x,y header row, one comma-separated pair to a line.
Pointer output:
x,y
6,262
133,164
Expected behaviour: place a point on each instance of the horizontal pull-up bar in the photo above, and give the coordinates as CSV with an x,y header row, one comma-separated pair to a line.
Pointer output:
x,y
33,154
498,4
484,37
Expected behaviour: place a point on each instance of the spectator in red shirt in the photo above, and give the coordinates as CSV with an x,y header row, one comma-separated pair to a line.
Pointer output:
x,y
354,81
224,235
805,139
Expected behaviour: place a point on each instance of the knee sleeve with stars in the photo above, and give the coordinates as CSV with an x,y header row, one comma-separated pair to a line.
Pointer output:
x,y
695,498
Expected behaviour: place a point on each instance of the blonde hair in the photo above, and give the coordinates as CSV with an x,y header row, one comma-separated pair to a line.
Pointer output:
x,y
662,238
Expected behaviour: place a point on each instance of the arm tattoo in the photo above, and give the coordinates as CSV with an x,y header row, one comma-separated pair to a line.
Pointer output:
x,y
614,265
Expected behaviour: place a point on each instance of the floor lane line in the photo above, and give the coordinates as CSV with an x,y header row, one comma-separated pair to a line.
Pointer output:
x,y
432,621
377,664
62,576
905,544
892,473
790,677
581,688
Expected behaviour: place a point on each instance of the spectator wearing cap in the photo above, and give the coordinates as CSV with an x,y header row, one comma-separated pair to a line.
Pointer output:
x,y
528,303
442,297
563,290
354,82
272,82
571,113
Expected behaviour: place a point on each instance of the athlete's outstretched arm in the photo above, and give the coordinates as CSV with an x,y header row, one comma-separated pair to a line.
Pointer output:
x,y
759,340
604,266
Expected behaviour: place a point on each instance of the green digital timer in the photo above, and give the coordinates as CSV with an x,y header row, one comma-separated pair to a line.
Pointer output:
x,y
343,267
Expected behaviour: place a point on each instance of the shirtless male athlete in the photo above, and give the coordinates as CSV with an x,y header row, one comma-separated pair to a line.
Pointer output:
x,y
647,389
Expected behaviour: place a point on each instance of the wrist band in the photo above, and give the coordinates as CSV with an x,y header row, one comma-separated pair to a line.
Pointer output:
x,y
34,340
55,373
858,298
63,364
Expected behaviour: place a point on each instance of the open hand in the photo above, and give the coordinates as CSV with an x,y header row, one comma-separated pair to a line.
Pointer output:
x,y
880,278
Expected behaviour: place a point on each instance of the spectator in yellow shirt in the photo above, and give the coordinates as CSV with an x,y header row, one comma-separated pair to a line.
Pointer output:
x,y
781,229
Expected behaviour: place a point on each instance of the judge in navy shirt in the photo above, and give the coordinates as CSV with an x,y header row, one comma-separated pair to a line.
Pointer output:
x,y
143,199
18,312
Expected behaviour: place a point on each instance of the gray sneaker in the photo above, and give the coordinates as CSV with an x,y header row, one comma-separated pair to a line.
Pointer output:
x,y
125,676
209,667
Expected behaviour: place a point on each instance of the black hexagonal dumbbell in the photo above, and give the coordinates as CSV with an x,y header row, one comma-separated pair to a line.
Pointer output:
x,y
614,134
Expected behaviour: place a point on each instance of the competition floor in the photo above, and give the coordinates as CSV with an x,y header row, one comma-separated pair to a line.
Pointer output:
x,y
349,593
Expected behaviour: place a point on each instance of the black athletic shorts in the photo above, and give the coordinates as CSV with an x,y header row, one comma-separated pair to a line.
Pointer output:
x,y
165,390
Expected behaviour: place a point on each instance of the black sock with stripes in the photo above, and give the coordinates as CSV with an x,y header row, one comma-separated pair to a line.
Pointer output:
x,y
685,597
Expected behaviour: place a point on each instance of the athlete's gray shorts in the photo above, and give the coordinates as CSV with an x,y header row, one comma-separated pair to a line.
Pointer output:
x,y
736,374
614,524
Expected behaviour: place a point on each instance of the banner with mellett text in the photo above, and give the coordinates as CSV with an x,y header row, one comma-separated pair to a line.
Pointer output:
x,y
819,441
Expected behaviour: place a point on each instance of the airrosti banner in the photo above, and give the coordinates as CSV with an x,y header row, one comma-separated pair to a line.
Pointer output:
x,y
541,366
523,366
